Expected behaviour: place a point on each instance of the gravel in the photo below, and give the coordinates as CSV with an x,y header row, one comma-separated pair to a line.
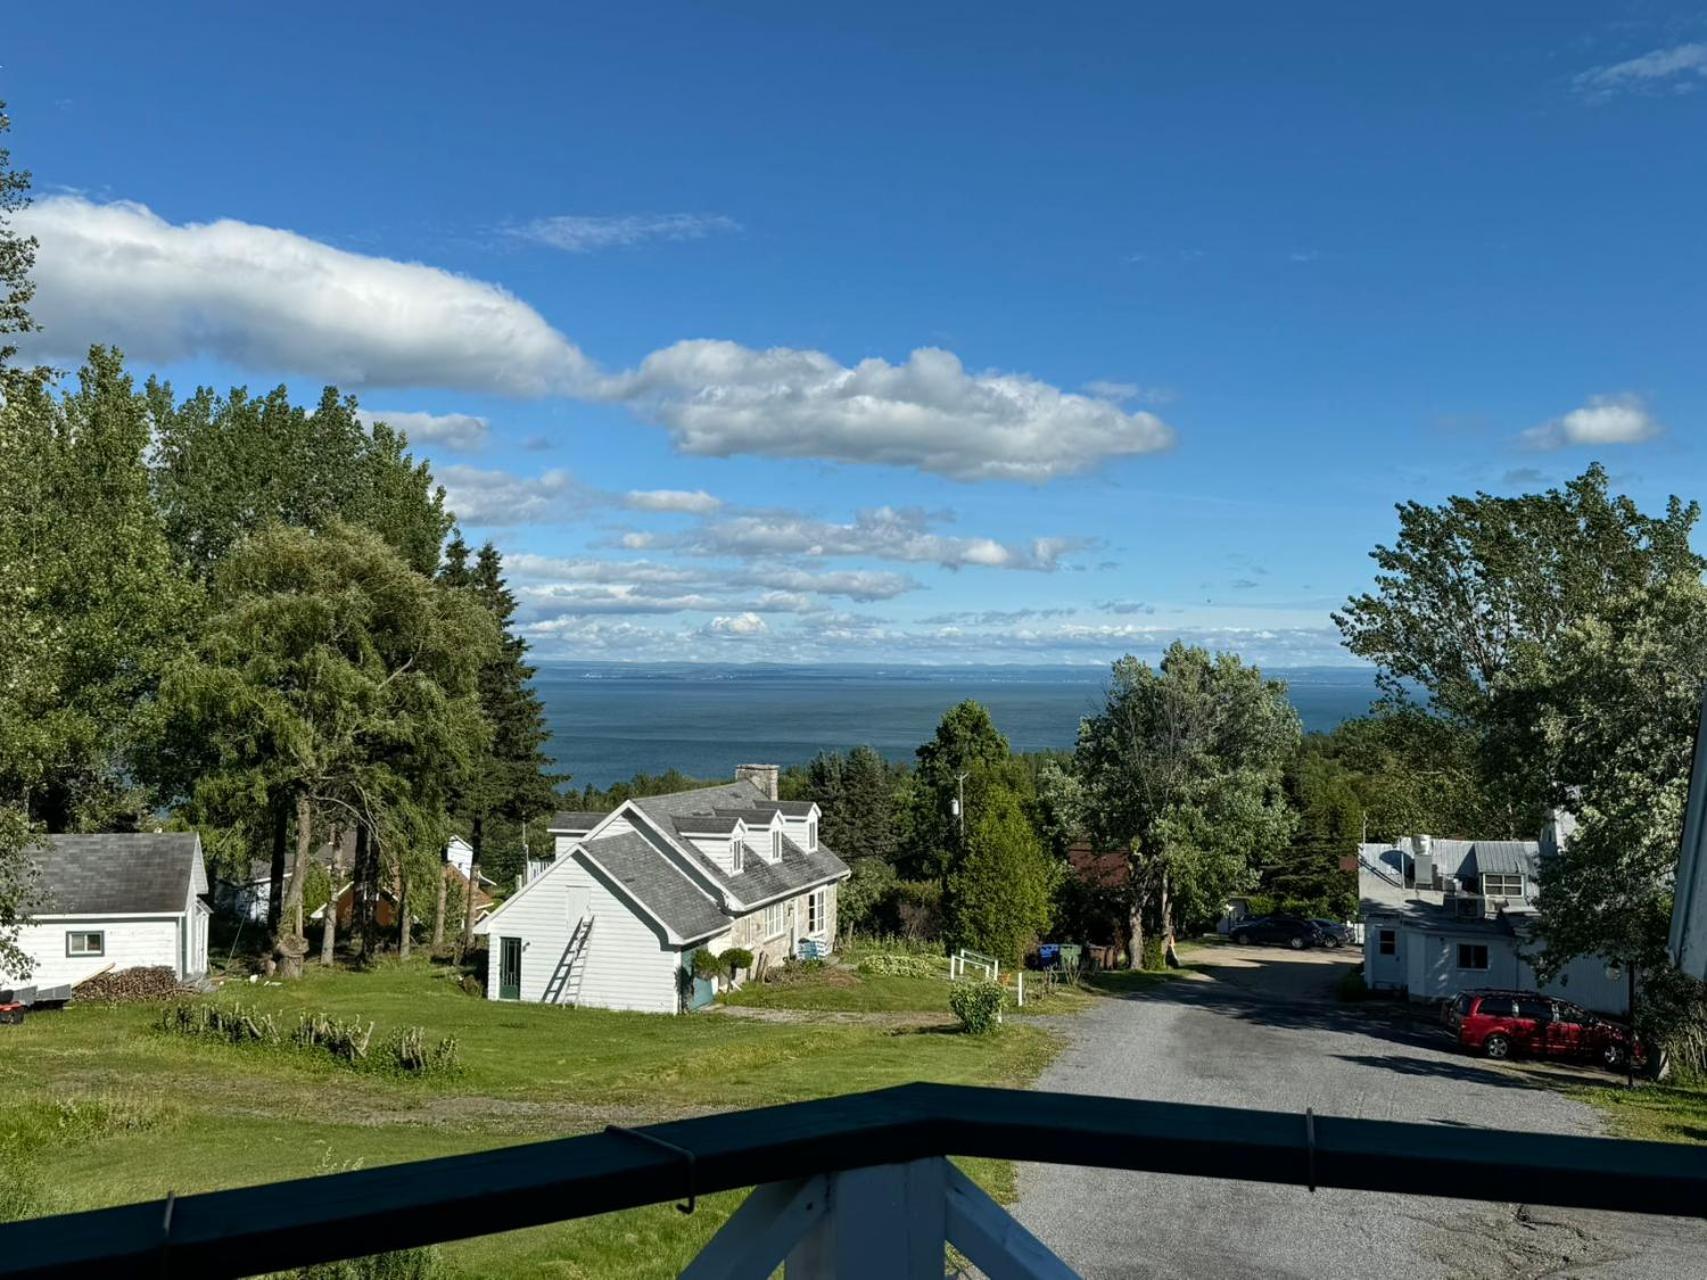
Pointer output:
x,y
1262,1030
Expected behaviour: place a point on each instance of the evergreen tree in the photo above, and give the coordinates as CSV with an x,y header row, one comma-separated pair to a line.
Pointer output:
x,y
511,783
966,750
1000,893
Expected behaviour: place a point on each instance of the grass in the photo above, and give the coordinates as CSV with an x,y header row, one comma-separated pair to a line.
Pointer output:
x,y
1654,1112
117,1111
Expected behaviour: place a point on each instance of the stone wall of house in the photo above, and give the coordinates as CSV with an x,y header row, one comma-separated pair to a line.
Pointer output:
x,y
752,931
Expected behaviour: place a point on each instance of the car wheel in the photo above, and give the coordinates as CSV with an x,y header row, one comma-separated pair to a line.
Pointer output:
x,y
1497,1047
1612,1057
1295,942
1333,944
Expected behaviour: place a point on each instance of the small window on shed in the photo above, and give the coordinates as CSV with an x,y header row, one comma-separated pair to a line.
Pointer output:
x,y
1387,942
86,943
1472,955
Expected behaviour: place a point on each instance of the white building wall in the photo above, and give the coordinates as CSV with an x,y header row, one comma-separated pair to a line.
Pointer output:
x,y
130,944
628,963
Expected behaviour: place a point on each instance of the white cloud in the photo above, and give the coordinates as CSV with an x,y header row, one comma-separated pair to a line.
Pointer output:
x,y
276,301
740,624
692,502
578,234
493,498
884,533
1604,420
641,577
1128,392
1675,70
453,430
720,398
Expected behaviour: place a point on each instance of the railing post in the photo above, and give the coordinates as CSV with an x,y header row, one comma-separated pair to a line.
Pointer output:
x,y
887,1220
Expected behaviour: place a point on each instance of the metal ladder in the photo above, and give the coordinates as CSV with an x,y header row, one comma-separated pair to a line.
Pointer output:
x,y
566,978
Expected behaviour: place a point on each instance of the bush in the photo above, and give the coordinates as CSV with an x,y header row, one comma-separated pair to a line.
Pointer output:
x,y
978,1004
407,1051
1154,955
889,964
706,965
346,1040
736,958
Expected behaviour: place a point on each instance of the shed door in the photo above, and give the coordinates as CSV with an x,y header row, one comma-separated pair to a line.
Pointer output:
x,y
509,968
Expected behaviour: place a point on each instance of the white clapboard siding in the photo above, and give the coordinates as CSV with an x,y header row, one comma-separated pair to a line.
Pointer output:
x,y
129,944
628,964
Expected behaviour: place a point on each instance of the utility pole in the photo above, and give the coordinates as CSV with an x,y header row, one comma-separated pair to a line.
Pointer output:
x,y
960,805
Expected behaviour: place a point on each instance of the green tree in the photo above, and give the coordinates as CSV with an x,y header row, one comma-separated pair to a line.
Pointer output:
x,y
966,746
1622,723
510,784
1001,891
1183,767
17,253
330,672
94,605
1471,603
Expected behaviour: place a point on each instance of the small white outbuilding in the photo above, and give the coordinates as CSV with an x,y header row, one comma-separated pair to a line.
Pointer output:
x,y
120,901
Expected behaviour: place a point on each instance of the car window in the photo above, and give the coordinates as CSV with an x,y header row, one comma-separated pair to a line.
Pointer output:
x,y
1541,1010
1464,1004
1495,1007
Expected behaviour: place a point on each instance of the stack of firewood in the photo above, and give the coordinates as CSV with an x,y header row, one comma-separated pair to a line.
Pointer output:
x,y
157,982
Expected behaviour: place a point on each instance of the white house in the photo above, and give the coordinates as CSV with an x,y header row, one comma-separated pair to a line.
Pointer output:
x,y
1444,916
614,918
116,902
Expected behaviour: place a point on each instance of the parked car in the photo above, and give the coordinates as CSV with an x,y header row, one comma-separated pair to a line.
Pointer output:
x,y
1502,1023
1288,931
1334,933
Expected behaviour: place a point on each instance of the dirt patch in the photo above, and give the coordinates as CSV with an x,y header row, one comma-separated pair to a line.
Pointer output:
x,y
846,1017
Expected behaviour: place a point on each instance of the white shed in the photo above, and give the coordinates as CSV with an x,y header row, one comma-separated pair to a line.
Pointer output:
x,y
115,902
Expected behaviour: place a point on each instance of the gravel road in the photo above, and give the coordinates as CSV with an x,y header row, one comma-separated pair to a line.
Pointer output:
x,y
1260,1028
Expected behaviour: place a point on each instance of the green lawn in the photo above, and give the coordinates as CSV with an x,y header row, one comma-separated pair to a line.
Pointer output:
x,y
186,1115
1656,1112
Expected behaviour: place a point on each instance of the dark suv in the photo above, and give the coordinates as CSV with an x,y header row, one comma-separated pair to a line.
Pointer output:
x,y
1288,931
1501,1023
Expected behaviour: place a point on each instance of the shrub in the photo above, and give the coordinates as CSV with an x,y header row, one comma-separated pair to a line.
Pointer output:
x,y
978,1004
736,958
407,1051
1154,954
344,1039
889,964
706,965
235,1023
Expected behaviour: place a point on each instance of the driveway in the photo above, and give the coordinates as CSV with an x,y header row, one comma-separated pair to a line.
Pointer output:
x,y
1261,1028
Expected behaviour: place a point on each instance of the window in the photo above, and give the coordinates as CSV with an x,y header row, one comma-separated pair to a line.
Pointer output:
x,y
812,835
1472,955
92,943
736,849
776,919
1387,942
1502,886
816,903
776,846
1535,1009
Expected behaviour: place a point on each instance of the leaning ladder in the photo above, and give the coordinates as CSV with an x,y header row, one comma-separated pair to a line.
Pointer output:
x,y
566,978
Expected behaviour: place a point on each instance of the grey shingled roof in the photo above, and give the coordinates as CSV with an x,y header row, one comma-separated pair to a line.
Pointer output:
x,y
119,874
575,820
740,794
650,879
794,808
759,817
704,824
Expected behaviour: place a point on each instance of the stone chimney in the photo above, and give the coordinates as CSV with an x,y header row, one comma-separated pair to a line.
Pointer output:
x,y
763,776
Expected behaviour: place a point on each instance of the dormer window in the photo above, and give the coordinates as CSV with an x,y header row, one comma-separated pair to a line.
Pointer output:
x,y
736,849
812,835
776,846
1502,886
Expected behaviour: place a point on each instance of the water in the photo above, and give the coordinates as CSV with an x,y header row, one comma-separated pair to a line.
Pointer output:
x,y
610,721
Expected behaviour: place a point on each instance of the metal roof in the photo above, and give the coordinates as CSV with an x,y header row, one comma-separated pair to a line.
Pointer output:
x,y
120,874
1503,857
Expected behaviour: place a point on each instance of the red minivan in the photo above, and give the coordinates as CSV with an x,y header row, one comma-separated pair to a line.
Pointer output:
x,y
1501,1023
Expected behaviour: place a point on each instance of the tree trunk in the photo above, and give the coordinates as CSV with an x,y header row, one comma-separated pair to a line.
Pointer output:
x,y
1170,957
289,949
439,910
366,884
1135,931
476,838
329,931
276,872
402,915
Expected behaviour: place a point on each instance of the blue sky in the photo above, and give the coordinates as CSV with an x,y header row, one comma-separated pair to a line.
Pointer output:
x,y
941,333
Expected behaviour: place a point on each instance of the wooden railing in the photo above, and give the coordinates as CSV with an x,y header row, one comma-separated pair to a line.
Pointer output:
x,y
860,1184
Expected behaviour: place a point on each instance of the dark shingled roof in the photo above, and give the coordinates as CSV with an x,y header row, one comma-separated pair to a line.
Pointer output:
x,y
795,808
575,820
740,794
120,874
760,817
657,885
705,824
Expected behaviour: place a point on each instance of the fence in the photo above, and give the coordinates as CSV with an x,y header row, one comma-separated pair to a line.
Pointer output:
x,y
861,1185
963,959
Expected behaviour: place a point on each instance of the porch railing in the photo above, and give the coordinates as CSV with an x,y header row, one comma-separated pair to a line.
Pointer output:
x,y
860,1184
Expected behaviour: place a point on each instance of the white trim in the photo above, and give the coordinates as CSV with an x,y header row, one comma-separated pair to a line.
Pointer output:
x,y
106,915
